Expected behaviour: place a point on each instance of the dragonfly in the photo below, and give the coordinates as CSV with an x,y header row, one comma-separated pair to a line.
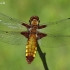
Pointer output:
x,y
32,32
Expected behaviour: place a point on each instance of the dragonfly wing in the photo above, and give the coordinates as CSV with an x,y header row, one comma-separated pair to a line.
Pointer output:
x,y
10,22
14,38
58,35
55,41
58,22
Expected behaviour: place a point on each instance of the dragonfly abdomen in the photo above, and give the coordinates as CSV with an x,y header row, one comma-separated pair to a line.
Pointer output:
x,y
31,48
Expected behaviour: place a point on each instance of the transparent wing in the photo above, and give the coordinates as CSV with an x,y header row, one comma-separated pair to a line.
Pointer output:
x,y
58,22
58,34
10,22
14,38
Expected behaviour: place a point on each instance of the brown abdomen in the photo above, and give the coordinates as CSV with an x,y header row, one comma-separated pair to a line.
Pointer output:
x,y
31,48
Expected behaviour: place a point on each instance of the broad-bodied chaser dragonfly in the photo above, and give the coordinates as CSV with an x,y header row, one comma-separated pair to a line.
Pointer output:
x,y
32,34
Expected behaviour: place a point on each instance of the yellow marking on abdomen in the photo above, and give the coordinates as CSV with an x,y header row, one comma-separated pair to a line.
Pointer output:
x,y
31,48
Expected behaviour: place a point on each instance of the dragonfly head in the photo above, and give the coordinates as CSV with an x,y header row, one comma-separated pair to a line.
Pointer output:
x,y
34,20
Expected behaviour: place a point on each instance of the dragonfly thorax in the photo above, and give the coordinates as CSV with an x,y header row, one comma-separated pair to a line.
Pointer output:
x,y
34,22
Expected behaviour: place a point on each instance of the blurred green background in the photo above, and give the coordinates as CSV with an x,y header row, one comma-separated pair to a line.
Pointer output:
x,y
13,57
